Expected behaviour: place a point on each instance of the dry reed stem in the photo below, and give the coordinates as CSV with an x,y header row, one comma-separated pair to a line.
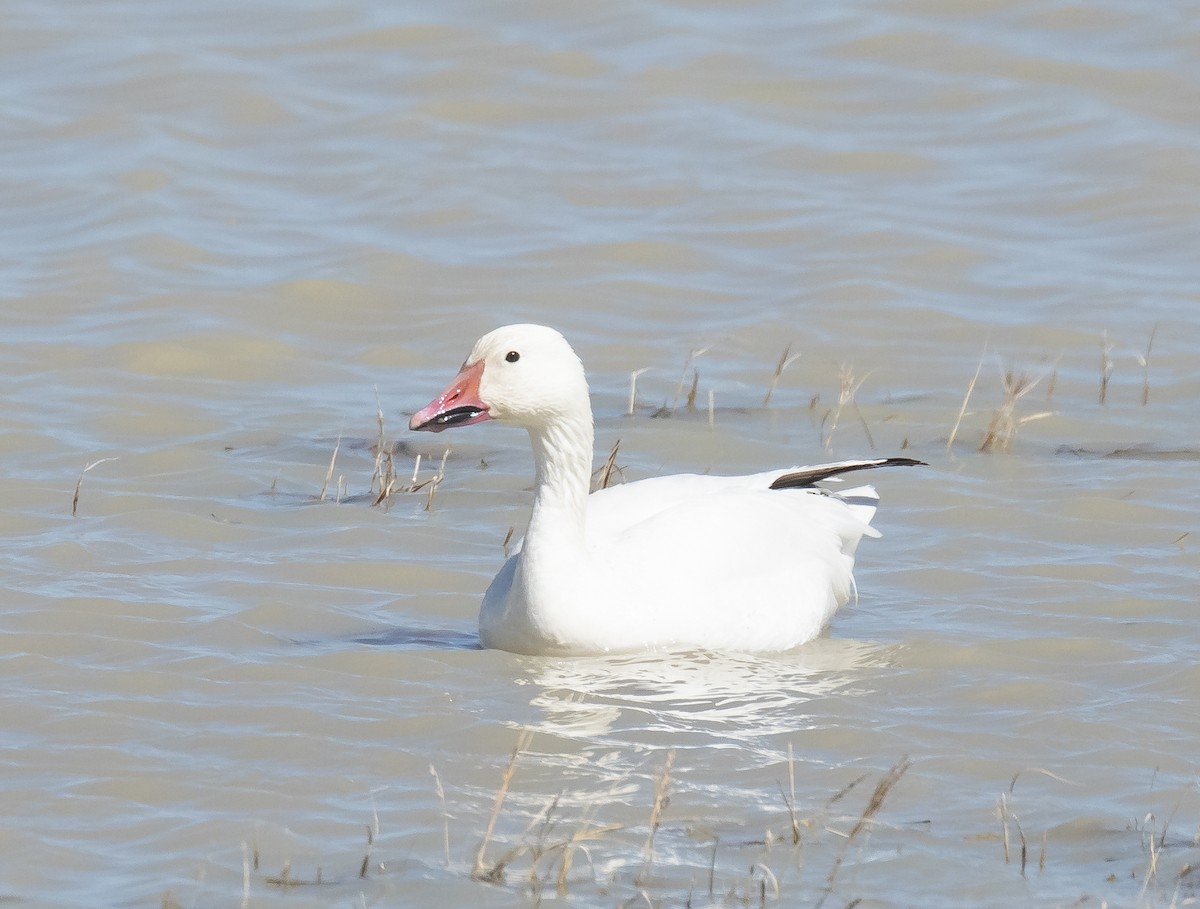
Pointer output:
x,y
605,473
1024,844
285,876
1005,813
385,472
847,389
537,848
1144,362
1052,380
885,785
245,874
571,845
844,791
379,448
366,862
1151,872
691,398
477,872
875,803
1012,785
791,803
332,463
568,859
564,871
661,801
385,467
712,865
962,411
1002,811
786,359
1106,365
437,480
1002,428
633,377
767,875
1162,839
390,484
712,410
693,354
866,429
79,484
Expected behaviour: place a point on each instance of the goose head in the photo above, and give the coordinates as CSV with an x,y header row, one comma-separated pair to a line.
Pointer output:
x,y
524,375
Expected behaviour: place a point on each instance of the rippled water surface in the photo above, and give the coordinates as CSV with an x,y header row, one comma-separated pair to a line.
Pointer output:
x,y
237,236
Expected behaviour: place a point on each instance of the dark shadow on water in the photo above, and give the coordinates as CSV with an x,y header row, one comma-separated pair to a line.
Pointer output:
x,y
1134,453
413,637
407,637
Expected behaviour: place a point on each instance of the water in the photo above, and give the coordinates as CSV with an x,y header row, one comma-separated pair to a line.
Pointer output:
x,y
232,232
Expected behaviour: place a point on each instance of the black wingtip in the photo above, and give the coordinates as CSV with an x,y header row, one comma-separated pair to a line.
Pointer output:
x,y
802,479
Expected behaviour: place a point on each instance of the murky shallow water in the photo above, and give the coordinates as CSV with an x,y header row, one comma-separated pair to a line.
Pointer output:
x,y
231,233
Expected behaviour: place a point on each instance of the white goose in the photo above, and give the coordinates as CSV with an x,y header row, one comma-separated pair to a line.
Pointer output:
x,y
750,563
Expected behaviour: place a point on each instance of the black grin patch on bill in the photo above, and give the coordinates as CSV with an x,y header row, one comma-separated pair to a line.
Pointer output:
x,y
452,417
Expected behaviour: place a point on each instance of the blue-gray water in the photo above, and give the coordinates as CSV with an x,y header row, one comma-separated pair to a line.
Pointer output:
x,y
231,232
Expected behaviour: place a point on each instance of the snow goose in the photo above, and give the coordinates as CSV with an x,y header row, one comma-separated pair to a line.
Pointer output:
x,y
747,563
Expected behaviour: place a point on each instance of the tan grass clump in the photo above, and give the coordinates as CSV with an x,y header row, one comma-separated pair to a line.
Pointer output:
x,y
848,388
786,359
1002,429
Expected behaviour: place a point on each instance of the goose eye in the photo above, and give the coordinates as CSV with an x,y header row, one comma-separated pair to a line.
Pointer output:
x,y
512,356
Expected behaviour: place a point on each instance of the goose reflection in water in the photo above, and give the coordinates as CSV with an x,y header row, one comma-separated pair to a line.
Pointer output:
x,y
732,695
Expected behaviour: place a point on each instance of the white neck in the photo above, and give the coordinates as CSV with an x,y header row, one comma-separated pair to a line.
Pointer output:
x,y
562,455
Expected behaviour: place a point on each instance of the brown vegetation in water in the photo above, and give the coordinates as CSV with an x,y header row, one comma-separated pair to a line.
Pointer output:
x,y
804,857
998,435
